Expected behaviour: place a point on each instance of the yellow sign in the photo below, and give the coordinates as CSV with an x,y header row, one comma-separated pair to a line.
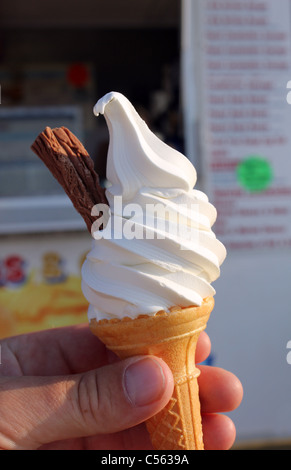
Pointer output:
x,y
42,292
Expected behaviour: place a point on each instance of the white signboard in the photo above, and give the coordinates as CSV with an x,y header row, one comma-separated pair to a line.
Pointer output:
x,y
236,67
244,64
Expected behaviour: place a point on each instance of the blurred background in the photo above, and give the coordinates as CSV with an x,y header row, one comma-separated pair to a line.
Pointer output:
x,y
211,79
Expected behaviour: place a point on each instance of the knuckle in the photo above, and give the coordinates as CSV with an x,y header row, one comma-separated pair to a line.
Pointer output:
x,y
88,399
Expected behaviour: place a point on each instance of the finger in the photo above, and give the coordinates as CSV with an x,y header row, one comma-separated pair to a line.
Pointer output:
x,y
219,390
203,347
218,432
58,351
135,438
38,410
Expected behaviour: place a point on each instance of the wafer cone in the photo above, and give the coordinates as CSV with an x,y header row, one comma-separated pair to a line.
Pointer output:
x,y
173,337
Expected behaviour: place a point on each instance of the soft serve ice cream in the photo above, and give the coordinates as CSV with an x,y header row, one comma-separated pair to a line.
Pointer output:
x,y
157,249
148,277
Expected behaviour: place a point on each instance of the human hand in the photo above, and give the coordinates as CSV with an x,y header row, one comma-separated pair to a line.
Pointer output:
x,y
61,389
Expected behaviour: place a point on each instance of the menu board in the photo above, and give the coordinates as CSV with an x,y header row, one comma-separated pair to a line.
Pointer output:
x,y
244,65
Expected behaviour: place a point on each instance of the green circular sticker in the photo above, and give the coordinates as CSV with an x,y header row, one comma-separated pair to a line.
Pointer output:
x,y
254,174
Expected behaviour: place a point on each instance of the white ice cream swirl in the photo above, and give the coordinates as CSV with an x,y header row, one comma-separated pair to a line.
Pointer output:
x,y
158,249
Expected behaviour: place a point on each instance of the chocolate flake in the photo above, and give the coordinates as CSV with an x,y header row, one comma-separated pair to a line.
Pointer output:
x,y
69,162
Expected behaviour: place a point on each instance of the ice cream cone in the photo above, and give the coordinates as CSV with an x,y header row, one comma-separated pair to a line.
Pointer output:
x,y
173,337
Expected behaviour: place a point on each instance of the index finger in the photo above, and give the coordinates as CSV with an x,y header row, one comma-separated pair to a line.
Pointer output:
x,y
56,351
203,348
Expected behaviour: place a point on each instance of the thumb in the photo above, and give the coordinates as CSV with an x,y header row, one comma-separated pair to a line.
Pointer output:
x,y
38,410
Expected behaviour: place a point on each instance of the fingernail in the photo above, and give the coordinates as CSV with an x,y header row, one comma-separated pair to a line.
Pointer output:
x,y
144,381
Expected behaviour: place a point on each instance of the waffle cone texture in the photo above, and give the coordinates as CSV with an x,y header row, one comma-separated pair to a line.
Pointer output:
x,y
173,337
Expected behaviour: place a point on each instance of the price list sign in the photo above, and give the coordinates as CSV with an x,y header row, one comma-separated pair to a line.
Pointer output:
x,y
244,68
